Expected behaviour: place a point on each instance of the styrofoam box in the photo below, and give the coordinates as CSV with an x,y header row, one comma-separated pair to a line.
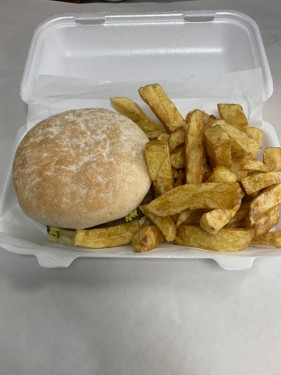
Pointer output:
x,y
140,47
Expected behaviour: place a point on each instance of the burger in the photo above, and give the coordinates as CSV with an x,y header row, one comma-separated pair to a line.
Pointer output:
x,y
81,169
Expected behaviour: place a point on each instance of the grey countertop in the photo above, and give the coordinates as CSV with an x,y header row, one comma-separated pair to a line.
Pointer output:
x,y
102,316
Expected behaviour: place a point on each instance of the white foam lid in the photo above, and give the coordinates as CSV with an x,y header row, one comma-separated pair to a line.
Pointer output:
x,y
152,47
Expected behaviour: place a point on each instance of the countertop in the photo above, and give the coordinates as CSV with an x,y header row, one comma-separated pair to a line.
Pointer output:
x,y
104,316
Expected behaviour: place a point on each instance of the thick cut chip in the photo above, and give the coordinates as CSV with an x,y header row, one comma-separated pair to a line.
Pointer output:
x,y
272,158
194,196
259,180
268,198
183,217
163,137
148,237
237,164
156,152
98,238
177,158
165,223
267,221
194,149
238,220
159,166
226,240
218,146
234,115
132,110
163,108
177,138
241,143
254,165
161,185
215,220
207,119
222,174
255,133
269,239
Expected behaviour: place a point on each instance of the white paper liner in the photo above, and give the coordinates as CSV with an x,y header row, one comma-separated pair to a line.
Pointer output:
x,y
52,95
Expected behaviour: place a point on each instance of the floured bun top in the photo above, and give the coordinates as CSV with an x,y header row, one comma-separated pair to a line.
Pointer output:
x,y
81,168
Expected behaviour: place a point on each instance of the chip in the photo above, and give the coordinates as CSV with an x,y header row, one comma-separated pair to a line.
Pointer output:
x,y
234,115
259,180
178,158
177,138
163,108
132,110
194,149
222,174
267,221
268,198
226,240
194,196
269,239
198,167
159,166
165,223
215,220
218,146
148,237
254,165
272,158
98,238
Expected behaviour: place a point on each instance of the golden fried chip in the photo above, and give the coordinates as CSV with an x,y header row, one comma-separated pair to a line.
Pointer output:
x,y
234,115
255,133
237,164
194,149
215,220
132,110
148,237
238,220
226,240
267,221
178,158
98,238
159,166
163,108
254,165
183,217
222,174
163,137
177,138
268,239
268,198
194,196
259,180
207,119
165,223
218,146
272,158
241,143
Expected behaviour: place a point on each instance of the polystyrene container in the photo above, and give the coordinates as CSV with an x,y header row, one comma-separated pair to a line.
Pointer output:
x,y
121,51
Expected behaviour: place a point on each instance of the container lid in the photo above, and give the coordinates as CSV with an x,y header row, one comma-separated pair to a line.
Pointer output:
x,y
133,47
